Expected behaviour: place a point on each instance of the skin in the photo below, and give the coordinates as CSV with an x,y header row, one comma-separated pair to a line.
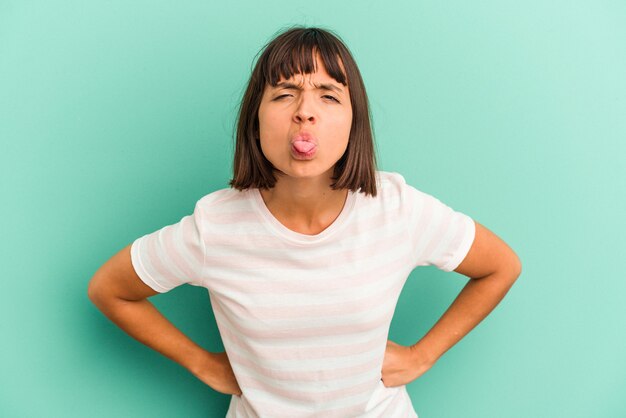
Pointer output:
x,y
302,198
303,201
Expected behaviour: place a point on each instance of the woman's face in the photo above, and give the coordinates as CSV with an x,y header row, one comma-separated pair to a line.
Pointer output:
x,y
304,123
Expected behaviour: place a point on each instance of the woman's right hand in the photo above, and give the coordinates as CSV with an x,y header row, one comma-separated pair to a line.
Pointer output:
x,y
215,370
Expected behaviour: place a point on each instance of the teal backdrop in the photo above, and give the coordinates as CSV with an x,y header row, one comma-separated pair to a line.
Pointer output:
x,y
116,117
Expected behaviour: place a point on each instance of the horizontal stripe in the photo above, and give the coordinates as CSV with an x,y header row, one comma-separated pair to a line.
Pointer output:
x,y
356,303
289,331
308,397
300,284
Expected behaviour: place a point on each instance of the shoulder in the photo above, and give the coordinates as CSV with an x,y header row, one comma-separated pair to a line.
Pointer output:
x,y
219,200
394,187
394,195
390,181
393,184
389,177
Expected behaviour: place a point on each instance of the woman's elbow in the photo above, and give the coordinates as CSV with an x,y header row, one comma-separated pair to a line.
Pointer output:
x,y
96,290
514,266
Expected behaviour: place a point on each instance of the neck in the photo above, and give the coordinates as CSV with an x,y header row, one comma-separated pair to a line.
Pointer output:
x,y
305,205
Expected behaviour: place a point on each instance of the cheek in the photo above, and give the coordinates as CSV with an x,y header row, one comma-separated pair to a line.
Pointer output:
x,y
340,135
270,124
342,125
271,133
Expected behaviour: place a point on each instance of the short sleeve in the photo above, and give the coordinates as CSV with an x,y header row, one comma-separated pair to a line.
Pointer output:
x,y
172,255
440,236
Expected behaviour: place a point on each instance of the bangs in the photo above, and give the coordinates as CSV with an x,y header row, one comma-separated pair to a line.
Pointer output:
x,y
296,54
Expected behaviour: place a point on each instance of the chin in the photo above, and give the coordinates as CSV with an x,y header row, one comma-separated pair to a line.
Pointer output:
x,y
305,172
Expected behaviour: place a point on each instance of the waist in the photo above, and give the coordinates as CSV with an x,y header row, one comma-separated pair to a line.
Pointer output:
x,y
373,400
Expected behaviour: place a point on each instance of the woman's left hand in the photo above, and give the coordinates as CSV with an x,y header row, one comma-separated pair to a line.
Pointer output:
x,y
402,364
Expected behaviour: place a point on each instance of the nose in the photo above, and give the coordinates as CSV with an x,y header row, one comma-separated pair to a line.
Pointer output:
x,y
304,112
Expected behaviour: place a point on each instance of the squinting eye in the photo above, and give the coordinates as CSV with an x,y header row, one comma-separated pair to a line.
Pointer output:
x,y
281,96
331,97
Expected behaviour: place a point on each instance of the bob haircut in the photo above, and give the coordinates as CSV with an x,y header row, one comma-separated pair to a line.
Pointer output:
x,y
293,52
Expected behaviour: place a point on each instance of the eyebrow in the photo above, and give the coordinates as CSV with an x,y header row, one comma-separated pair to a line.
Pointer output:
x,y
323,86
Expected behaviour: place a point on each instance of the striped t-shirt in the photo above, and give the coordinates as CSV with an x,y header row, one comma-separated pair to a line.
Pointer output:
x,y
305,318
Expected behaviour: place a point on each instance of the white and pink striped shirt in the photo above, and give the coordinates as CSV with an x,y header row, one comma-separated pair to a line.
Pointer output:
x,y
305,318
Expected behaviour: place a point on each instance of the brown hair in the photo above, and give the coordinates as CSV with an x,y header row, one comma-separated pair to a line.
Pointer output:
x,y
292,52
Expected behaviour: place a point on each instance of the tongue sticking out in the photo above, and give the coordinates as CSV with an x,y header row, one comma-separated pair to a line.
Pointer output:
x,y
303,146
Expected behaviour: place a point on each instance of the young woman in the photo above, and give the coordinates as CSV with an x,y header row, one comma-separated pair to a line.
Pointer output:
x,y
304,257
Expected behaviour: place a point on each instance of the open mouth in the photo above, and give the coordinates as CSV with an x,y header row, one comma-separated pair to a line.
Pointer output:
x,y
303,149
303,146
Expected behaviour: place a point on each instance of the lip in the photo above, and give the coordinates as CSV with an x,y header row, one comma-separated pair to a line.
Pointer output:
x,y
303,136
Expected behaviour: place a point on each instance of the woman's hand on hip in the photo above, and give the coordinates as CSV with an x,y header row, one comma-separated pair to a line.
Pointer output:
x,y
215,370
402,365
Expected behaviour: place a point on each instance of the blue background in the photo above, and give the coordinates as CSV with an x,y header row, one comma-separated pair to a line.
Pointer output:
x,y
116,117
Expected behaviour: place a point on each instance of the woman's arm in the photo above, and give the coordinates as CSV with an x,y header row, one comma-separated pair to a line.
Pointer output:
x,y
121,295
492,267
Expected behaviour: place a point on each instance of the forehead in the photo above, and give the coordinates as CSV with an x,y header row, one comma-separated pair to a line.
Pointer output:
x,y
317,77
303,63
